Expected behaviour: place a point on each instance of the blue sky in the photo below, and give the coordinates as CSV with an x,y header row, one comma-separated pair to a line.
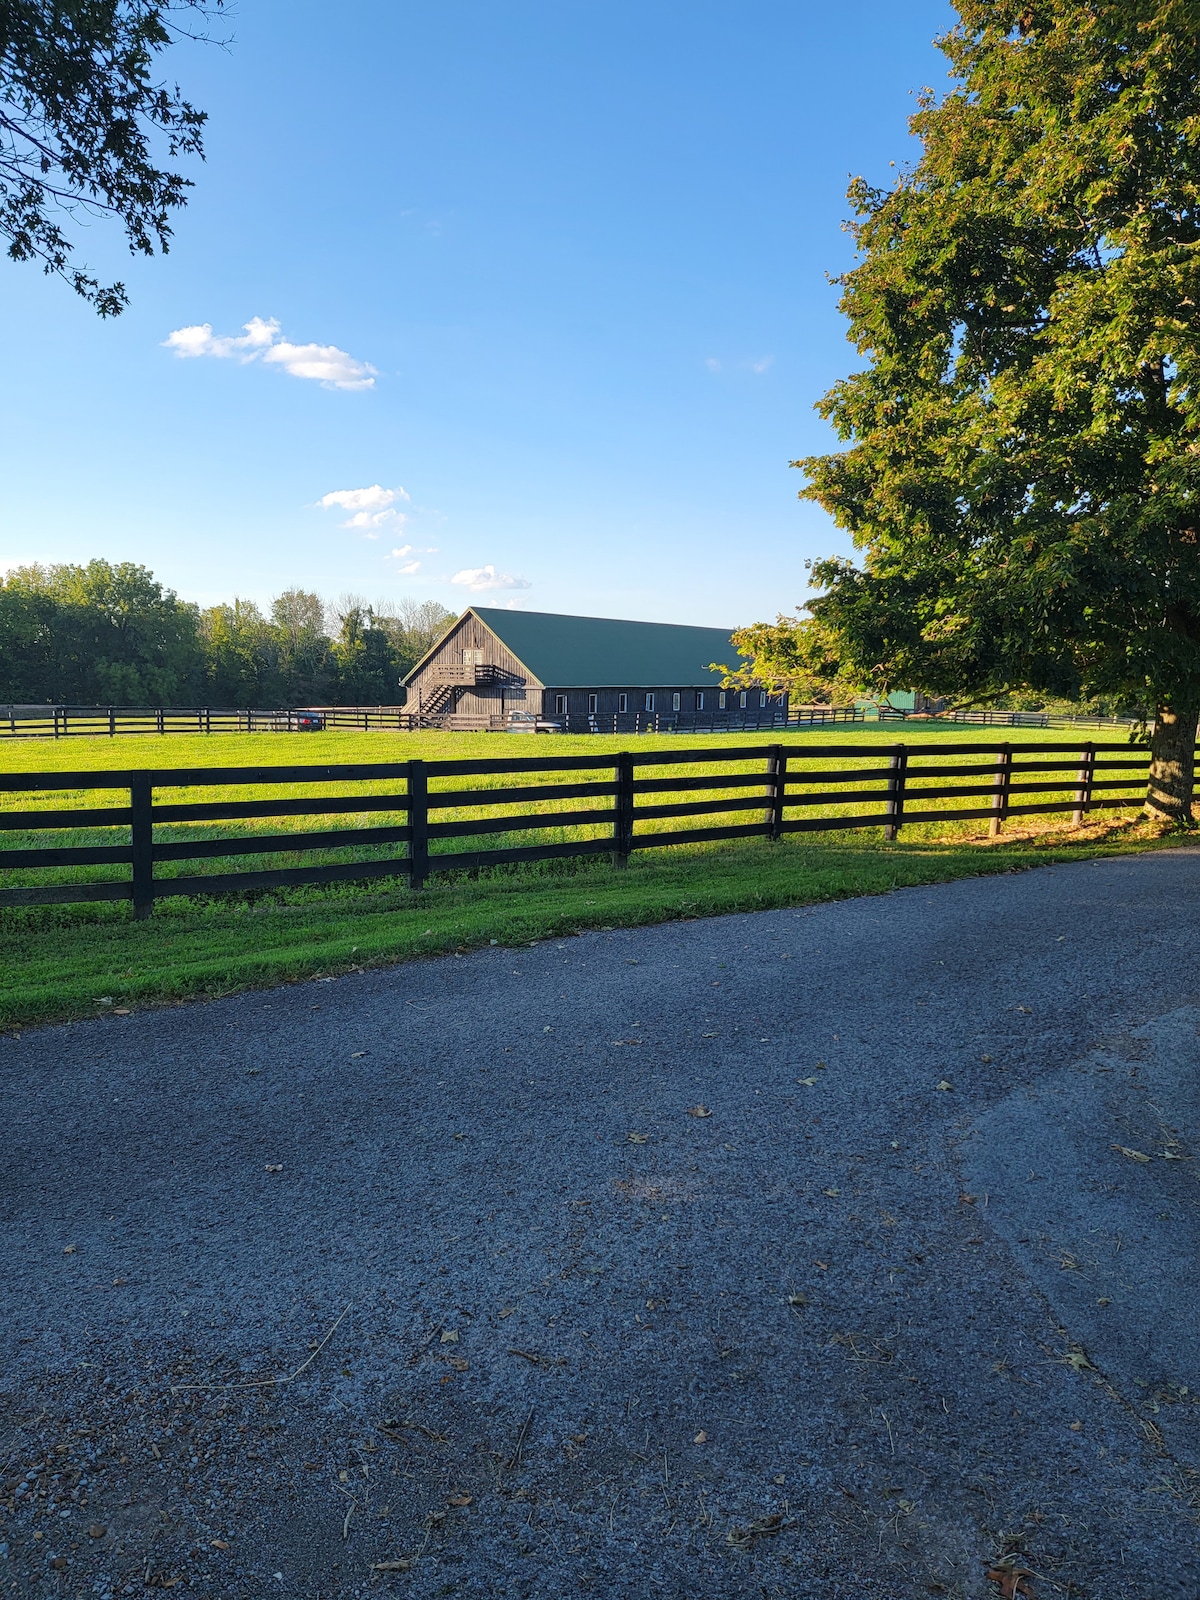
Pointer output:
x,y
564,269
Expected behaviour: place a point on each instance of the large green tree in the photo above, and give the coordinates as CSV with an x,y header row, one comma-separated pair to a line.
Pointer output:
x,y
86,125
99,634
1023,461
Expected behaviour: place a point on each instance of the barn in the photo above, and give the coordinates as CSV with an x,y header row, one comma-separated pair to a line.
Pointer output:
x,y
585,673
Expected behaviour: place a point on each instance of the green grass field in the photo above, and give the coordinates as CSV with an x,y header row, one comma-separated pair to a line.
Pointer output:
x,y
74,960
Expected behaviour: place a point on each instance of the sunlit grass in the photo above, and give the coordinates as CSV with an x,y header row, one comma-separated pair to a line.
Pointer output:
x,y
60,961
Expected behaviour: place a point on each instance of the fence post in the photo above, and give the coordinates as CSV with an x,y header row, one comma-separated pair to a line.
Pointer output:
x,y
141,818
1000,798
897,767
1083,794
776,786
160,720
623,810
418,822
112,723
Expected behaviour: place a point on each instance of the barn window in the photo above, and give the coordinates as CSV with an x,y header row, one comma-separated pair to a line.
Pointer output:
x,y
622,702
742,700
472,658
721,700
674,702
762,698
560,705
593,702
649,702
700,700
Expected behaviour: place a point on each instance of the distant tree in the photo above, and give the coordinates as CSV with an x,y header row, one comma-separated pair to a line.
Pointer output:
x,y
1023,470
96,635
413,626
241,656
81,116
366,660
305,662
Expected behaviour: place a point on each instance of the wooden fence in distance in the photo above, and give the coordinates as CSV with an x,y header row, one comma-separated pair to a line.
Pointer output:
x,y
77,722
623,800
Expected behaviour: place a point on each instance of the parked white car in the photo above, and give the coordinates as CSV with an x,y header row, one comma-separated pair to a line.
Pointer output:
x,y
530,722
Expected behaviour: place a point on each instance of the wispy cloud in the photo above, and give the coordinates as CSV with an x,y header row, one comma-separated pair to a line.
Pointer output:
x,y
409,567
262,340
712,364
762,364
480,578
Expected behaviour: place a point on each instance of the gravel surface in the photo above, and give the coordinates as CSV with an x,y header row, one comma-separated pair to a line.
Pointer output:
x,y
844,1252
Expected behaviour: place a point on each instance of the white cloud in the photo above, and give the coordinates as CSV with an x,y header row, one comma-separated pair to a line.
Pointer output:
x,y
479,578
331,367
409,568
404,550
762,365
200,340
324,363
712,364
376,498
373,507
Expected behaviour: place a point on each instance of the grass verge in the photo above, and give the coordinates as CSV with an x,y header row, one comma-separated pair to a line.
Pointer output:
x,y
59,963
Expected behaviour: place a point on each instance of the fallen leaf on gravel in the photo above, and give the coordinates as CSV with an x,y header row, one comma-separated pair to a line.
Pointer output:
x,y
1011,1581
699,1111
1075,1427
506,1312
1076,1357
405,1564
797,1300
967,1199
69,1249
449,1336
219,1544
276,1168
638,1138
701,1438
985,1058
97,1530
808,1083
458,1363
1134,1155
357,1055
124,1011
832,1193
710,1035
943,1085
458,1499
746,1538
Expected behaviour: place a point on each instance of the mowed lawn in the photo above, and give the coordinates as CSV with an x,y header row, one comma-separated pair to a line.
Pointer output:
x,y
74,960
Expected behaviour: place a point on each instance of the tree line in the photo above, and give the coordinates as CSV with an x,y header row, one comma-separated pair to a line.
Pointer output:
x,y
111,634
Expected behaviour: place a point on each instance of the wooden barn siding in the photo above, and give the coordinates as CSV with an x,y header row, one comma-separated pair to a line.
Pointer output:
x,y
471,634
606,706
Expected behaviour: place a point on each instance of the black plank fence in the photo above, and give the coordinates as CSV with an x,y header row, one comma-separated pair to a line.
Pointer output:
x,y
428,811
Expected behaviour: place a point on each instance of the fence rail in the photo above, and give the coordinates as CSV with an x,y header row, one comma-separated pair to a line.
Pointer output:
x,y
611,805
71,722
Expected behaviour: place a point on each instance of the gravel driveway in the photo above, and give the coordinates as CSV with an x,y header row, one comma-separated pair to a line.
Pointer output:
x,y
844,1252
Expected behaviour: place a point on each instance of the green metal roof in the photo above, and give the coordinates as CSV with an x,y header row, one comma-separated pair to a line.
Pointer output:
x,y
602,652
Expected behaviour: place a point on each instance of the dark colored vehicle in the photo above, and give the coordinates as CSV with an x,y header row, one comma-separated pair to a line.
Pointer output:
x,y
306,721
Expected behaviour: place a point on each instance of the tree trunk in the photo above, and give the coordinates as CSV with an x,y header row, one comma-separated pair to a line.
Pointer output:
x,y
1172,765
